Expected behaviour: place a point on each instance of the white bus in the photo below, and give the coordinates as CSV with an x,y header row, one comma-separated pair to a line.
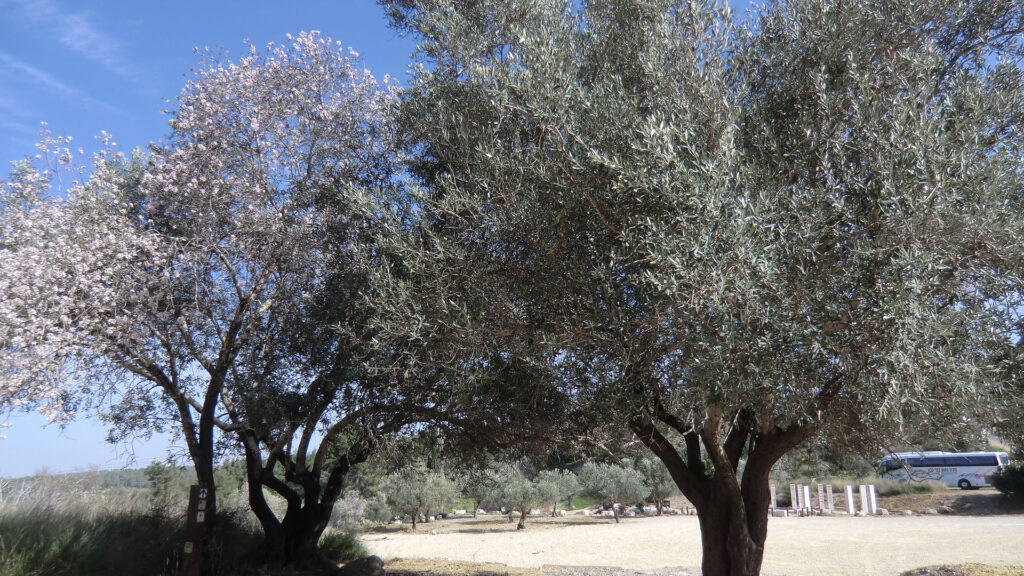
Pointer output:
x,y
964,469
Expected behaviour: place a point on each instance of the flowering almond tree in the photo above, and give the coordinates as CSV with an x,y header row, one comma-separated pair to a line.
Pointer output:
x,y
73,259
213,285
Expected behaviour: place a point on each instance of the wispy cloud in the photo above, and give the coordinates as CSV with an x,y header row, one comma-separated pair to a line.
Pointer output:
x,y
15,118
36,75
41,78
75,31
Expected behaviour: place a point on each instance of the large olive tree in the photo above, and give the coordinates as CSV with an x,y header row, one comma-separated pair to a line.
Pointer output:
x,y
727,239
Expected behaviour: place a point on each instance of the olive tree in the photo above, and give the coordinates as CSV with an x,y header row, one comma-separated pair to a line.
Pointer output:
x,y
613,484
417,492
482,485
729,239
556,485
656,479
518,493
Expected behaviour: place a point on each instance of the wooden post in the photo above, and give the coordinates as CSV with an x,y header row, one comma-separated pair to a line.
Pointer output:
x,y
195,531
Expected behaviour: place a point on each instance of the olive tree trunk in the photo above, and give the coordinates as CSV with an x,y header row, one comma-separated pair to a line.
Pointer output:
x,y
732,509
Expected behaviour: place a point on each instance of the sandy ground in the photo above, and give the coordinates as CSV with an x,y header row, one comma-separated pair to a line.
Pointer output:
x,y
815,546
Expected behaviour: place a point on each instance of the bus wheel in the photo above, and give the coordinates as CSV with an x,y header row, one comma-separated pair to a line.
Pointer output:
x,y
964,484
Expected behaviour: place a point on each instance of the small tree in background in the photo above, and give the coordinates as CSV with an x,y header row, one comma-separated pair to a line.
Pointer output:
x,y
611,483
657,479
415,492
163,488
482,486
556,485
548,491
519,493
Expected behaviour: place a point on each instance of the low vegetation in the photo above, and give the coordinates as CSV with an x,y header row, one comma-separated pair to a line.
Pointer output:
x,y
38,540
966,570
1011,481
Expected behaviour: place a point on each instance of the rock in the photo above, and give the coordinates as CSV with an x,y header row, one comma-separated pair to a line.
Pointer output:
x,y
562,513
397,522
481,512
883,512
930,511
908,512
630,514
460,512
586,512
534,512
779,513
368,566
433,532
945,510
430,518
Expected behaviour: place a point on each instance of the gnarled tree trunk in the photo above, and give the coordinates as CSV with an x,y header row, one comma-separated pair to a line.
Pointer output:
x,y
732,509
294,539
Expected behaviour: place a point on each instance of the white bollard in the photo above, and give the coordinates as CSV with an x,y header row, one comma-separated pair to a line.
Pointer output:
x,y
774,495
872,500
793,499
850,508
821,497
831,498
864,499
807,498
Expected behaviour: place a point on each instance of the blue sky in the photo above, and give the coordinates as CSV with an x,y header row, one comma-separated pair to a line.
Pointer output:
x,y
113,65
84,67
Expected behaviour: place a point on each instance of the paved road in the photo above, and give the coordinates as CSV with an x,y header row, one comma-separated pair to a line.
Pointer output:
x,y
816,546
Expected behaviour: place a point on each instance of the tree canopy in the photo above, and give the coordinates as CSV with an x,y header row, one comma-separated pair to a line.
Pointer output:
x,y
729,238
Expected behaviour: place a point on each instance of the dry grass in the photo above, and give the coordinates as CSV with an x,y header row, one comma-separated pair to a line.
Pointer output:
x,y
430,567
967,570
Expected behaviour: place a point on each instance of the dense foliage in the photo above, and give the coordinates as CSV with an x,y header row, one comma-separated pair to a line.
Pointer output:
x,y
729,238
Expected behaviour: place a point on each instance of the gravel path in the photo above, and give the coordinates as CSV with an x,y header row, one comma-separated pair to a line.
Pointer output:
x,y
816,546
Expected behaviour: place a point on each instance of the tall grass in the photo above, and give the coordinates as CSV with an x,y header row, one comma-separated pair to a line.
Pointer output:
x,y
70,539
72,525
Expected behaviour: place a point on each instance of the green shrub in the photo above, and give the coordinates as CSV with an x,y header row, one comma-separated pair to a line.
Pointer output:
x,y
377,511
341,547
1010,481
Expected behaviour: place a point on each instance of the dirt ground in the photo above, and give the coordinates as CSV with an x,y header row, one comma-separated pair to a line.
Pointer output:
x,y
670,546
